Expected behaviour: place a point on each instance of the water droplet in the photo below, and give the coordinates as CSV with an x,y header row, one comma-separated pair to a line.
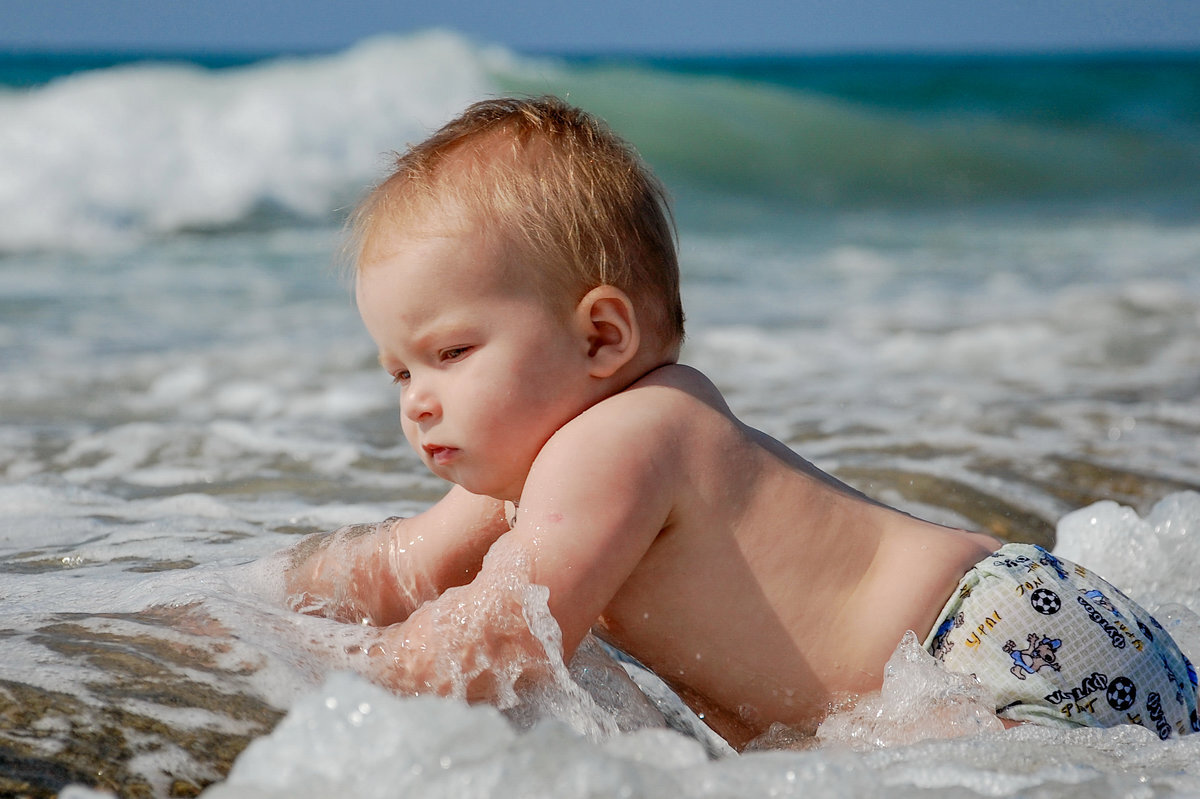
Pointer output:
x,y
364,707
331,702
445,761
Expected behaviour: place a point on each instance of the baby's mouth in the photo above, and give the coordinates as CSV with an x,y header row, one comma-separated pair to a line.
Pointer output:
x,y
438,454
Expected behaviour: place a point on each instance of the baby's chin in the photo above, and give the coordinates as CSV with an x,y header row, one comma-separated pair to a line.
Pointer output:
x,y
493,486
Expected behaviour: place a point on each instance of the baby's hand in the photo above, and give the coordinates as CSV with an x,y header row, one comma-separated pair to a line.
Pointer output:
x,y
473,643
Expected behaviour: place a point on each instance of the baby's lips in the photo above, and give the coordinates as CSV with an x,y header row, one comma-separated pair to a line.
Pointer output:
x,y
438,454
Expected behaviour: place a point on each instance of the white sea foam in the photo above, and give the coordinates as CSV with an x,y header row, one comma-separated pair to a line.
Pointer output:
x,y
1155,558
918,701
118,154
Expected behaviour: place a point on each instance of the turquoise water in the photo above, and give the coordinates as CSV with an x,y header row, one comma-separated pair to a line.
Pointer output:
x,y
970,287
801,134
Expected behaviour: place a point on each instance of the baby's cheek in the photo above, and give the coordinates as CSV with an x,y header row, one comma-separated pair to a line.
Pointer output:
x,y
410,432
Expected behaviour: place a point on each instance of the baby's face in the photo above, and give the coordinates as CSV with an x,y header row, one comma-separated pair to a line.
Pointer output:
x,y
487,371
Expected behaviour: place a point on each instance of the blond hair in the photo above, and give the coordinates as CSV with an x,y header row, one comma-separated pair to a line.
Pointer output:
x,y
557,183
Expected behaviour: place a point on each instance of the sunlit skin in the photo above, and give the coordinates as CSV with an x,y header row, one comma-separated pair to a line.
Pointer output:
x,y
760,588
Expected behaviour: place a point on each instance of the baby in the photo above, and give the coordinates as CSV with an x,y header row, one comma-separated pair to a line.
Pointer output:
x,y
518,275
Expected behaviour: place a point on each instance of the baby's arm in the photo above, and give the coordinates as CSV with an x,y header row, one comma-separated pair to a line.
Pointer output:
x,y
380,573
584,524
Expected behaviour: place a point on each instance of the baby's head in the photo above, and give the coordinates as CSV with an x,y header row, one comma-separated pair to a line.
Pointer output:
x,y
571,201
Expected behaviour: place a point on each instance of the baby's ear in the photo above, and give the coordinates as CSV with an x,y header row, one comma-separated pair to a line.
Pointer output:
x,y
609,323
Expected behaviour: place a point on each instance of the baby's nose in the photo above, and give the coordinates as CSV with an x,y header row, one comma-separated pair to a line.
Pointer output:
x,y
418,403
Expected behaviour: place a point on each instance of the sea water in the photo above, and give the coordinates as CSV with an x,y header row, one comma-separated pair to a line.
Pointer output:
x,y
969,288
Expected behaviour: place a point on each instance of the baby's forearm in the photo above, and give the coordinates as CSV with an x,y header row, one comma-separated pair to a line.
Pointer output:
x,y
356,574
440,625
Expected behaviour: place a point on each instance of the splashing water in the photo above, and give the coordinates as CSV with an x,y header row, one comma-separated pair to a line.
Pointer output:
x,y
926,729
996,340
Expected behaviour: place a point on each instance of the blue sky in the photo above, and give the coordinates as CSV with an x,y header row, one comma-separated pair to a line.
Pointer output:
x,y
789,26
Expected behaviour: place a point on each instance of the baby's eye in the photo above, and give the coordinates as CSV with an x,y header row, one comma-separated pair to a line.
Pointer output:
x,y
454,353
400,376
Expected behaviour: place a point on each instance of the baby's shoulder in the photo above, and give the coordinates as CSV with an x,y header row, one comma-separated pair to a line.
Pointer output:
x,y
667,415
665,442
665,401
630,452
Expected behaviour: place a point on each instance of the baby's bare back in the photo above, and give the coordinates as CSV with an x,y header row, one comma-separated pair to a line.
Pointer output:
x,y
775,591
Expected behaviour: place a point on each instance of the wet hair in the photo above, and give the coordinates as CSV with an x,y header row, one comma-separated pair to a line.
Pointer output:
x,y
576,202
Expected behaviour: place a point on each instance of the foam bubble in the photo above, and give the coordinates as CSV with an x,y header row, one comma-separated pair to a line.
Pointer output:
x,y
83,792
919,700
373,744
1153,559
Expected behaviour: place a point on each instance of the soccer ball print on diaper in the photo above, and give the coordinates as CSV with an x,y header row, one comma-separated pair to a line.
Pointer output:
x,y
1045,602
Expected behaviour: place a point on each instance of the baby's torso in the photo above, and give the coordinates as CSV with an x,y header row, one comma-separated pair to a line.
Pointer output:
x,y
775,591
